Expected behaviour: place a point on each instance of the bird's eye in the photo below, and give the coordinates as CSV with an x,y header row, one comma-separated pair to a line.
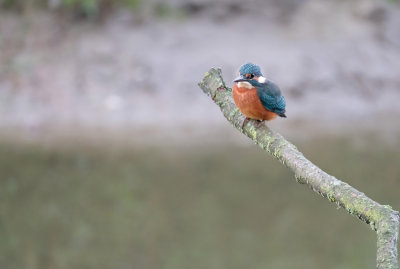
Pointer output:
x,y
249,76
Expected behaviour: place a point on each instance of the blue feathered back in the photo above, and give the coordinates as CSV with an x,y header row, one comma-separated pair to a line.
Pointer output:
x,y
271,97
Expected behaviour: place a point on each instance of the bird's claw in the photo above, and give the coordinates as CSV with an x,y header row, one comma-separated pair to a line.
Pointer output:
x,y
259,123
244,122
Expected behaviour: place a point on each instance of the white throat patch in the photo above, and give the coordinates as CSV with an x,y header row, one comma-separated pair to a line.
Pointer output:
x,y
245,84
262,79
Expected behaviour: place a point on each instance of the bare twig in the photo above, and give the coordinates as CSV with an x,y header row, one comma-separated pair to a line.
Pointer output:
x,y
381,218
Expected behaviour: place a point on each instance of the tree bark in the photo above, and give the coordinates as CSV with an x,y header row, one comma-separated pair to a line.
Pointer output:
x,y
381,218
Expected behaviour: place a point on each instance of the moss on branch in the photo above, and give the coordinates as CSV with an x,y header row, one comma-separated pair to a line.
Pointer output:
x,y
381,218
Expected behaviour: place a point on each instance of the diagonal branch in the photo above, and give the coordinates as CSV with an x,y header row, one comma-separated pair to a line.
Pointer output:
x,y
381,218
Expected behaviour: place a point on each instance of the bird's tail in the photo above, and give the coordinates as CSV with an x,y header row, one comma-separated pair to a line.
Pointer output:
x,y
282,115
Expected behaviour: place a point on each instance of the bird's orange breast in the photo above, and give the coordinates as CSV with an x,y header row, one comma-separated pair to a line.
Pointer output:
x,y
249,103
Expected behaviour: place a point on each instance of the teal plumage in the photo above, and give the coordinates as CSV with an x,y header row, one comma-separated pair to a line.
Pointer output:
x,y
250,68
270,96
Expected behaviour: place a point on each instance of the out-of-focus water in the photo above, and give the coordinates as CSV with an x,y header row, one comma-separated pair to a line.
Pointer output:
x,y
214,207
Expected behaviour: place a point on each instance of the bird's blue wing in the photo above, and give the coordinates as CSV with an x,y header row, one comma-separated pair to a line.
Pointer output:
x,y
271,97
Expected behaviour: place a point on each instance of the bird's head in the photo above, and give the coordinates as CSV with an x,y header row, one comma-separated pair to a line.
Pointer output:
x,y
248,72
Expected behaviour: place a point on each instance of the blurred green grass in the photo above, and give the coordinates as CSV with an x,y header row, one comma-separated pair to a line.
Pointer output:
x,y
86,8
169,207
96,8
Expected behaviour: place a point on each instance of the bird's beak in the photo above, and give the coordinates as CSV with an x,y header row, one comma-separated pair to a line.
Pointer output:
x,y
240,78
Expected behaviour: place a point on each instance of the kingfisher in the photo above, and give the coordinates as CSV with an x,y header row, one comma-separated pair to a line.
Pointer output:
x,y
257,97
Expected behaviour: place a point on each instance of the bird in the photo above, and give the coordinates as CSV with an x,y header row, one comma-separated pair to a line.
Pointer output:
x,y
257,97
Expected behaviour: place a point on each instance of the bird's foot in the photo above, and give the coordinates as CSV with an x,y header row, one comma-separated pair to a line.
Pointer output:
x,y
244,122
260,122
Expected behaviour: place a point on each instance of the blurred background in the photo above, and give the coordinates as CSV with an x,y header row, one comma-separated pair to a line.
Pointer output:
x,y
112,157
